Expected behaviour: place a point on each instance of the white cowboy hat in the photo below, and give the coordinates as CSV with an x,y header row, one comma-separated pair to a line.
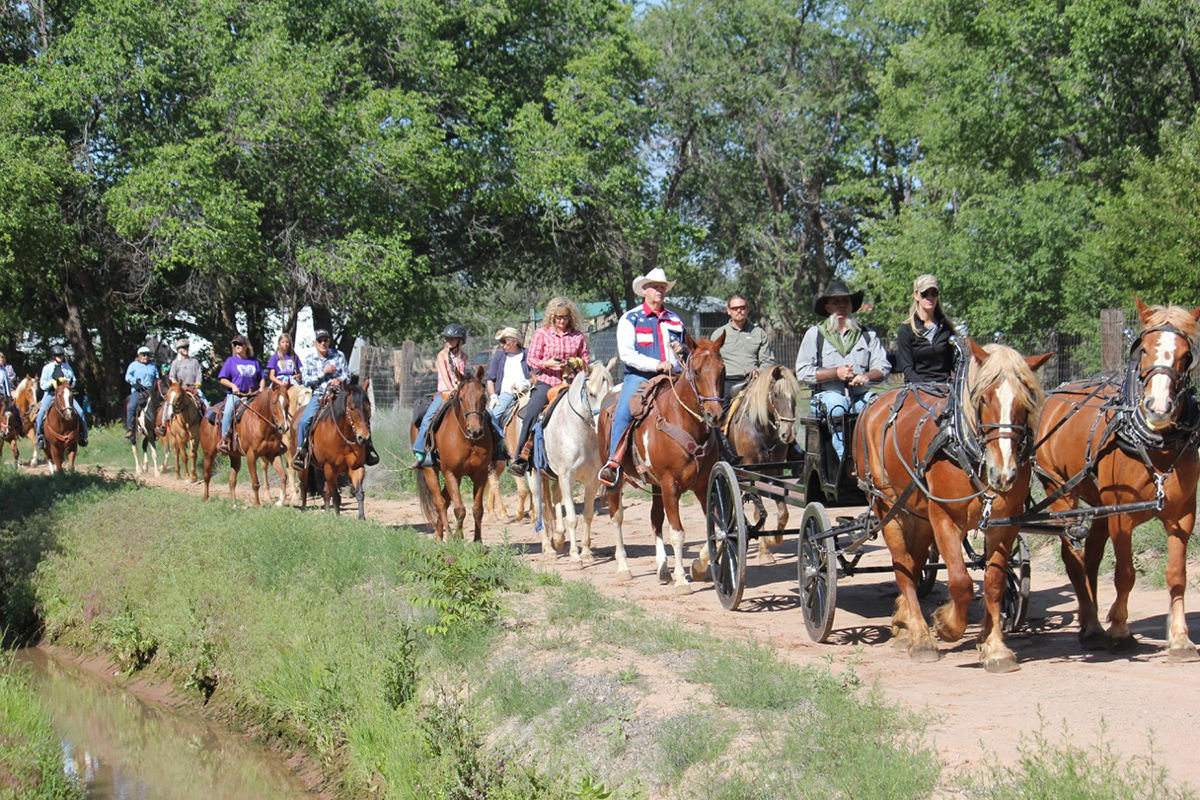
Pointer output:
x,y
655,275
508,333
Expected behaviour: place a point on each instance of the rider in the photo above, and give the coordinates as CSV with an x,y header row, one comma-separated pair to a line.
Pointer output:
x,y
140,375
649,341
507,372
55,369
8,378
746,349
186,370
924,353
285,366
558,340
241,374
840,357
323,371
451,363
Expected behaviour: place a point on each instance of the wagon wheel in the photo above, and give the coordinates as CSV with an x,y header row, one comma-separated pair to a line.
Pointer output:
x,y
1014,606
929,574
816,570
726,536
761,516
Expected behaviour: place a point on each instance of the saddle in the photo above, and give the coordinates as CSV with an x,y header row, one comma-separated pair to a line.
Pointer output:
x,y
419,409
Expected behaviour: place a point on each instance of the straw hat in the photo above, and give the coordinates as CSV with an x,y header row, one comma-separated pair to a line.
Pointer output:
x,y
509,333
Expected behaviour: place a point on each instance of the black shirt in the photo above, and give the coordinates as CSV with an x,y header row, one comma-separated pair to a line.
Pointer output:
x,y
923,361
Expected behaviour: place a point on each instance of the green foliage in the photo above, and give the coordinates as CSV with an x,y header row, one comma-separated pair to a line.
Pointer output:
x,y
30,753
690,739
751,677
132,647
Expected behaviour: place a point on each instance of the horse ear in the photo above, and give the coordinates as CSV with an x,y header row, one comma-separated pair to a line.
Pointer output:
x,y
1196,313
689,341
980,354
1142,309
612,362
720,340
366,385
1035,362
480,372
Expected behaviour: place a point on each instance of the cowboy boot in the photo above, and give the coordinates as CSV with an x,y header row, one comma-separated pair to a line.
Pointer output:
x,y
610,474
225,446
519,467
300,460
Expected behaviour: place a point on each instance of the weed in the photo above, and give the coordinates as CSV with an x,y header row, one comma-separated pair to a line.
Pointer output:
x,y
751,677
126,640
400,670
203,674
690,739
628,675
586,789
459,596
578,601
517,693
30,754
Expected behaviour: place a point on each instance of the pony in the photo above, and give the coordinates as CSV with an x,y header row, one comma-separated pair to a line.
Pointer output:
x,y
259,434
11,426
180,415
338,446
974,464
495,500
144,425
61,427
25,396
464,443
673,448
1109,442
573,455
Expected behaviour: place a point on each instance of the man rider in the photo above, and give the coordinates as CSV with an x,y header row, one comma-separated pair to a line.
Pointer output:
x,y
322,371
140,375
746,349
55,369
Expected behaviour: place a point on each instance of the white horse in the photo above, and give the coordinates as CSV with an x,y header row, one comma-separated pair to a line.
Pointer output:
x,y
574,455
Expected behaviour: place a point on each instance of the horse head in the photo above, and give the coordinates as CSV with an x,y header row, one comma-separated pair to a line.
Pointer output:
x,y
472,399
355,408
62,399
770,402
599,382
278,395
706,373
1165,352
172,397
1002,400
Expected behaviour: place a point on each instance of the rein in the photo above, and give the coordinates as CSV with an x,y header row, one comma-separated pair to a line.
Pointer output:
x,y
465,414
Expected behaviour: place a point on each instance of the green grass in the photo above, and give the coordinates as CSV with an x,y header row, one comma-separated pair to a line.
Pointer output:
x,y
30,756
690,739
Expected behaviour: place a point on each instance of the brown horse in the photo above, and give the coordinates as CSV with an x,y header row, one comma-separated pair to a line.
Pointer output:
x,y
464,445
761,429
1129,441
259,434
180,415
673,448
25,396
941,488
11,426
62,427
338,445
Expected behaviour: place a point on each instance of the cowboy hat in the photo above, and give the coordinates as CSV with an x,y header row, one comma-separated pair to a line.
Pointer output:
x,y
143,351
655,275
836,289
508,333
180,343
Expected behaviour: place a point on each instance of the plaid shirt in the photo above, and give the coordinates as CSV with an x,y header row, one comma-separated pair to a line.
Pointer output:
x,y
547,344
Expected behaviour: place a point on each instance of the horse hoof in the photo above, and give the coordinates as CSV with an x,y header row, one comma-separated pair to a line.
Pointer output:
x,y
586,558
1121,644
624,575
765,557
901,640
998,665
683,588
1092,640
1182,654
699,571
664,574
923,655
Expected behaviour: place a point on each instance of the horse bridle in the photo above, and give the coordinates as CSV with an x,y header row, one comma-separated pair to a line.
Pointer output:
x,y
1179,378
457,400
360,439
690,376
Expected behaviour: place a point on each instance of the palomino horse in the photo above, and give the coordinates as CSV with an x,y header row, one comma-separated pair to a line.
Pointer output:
x,y
464,445
11,426
1108,443
338,445
977,464
573,455
298,397
144,425
181,416
760,430
495,500
61,427
259,434
25,396
674,449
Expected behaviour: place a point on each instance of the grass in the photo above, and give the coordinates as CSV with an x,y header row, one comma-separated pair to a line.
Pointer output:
x,y
30,755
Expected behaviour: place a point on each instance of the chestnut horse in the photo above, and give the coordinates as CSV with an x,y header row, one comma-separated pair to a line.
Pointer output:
x,y
12,427
61,427
1129,441
25,397
181,415
259,434
464,444
673,448
495,500
338,445
977,463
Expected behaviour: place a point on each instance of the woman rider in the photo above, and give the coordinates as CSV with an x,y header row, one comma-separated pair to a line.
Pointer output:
x,y
924,353
58,368
552,345
240,375
451,365
285,367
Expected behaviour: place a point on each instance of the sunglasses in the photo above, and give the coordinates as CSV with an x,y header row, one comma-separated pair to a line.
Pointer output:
x,y
930,293
324,339
737,308
561,316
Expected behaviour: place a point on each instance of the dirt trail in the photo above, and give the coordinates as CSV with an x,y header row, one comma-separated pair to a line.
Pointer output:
x,y
974,716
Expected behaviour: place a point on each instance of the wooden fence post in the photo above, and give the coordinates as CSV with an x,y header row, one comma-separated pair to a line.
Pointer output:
x,y
402,369
1112,339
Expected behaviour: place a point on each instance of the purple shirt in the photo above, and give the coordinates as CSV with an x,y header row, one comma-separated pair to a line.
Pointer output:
x,y
244,373
287,368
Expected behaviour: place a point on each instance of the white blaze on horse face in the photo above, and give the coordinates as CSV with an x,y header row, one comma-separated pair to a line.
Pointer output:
x,y
1006,397
67,406
1158,390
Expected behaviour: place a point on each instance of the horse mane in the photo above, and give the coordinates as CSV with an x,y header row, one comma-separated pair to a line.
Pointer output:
x,y
1174,316
756,402
339,400
1003,362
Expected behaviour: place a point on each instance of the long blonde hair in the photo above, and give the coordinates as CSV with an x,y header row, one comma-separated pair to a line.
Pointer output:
x,y
563,305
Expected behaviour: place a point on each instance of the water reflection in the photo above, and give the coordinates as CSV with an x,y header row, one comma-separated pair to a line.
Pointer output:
x,y
125,749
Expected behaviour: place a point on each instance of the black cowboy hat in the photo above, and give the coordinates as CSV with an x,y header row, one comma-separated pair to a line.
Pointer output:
x,y
836,289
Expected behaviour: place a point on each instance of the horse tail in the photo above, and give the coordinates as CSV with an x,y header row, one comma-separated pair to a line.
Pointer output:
x,y
428,506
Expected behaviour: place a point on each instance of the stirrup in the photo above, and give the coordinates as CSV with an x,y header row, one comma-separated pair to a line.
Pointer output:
x,y
300,460
518,468
609,474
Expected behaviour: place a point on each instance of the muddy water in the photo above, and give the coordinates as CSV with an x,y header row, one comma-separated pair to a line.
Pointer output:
x,y
119,746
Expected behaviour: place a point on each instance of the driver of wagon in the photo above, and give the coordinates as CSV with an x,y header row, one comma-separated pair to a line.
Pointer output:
x,y
839,357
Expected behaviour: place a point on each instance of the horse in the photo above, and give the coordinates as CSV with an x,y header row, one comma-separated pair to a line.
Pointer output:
x,y
495,500
25,396
144,424
61,427
1109,442
180,415
259,434
464,443
969,462
674,449
298,397
11,427
338,446
760,429
573,455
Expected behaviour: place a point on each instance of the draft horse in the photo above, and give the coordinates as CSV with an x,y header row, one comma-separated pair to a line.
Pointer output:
x,y
180,416
61,428
464,445
258,434
934,466
673,448
25,397
1109,442
338,446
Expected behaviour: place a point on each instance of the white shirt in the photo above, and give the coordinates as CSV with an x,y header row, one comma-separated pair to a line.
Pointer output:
x,y
513,374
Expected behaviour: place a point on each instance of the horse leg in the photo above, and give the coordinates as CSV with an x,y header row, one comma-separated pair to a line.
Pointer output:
x,y
1120,638
545,495
281,468
656,522
559,537
480,488
454,490
139,466
235,464
524,499
590,485
332,494
252,467
495,499
765,543
909,630
358,477
994,654
566,478
617,513
1179,645
1083,579
670,496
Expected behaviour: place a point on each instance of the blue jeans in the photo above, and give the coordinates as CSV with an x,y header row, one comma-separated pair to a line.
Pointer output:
x,y
507,400
231,403
306,419
135,397
622,417
47,401
837,405
426,421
